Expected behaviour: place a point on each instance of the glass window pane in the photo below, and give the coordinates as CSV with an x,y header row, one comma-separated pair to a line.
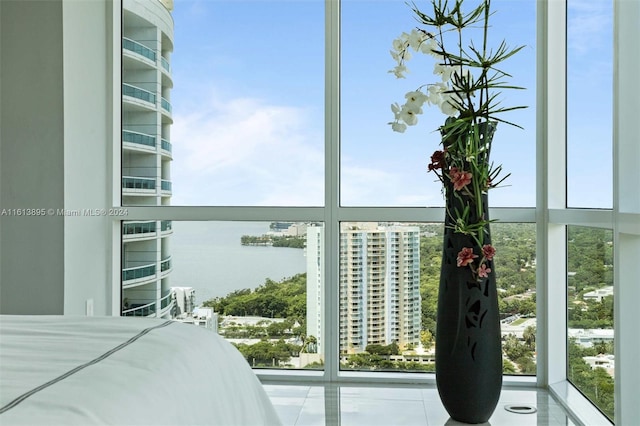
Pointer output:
x,y
389,279
222,106
589,103
252,282
515,263
590,334
380,167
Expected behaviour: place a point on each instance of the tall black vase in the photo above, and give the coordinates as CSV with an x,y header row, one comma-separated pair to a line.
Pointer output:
x,y
468,341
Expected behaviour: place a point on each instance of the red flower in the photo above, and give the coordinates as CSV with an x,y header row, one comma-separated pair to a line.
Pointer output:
x,y
483,271
459,179
437,161
488,251
466,256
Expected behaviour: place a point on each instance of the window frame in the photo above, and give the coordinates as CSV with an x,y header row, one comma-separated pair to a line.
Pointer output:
x,y
550,214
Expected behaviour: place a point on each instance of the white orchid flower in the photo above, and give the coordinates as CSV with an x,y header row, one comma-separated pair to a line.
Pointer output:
x,y
398,127
399,71
416,98
445,71
447,106
409,114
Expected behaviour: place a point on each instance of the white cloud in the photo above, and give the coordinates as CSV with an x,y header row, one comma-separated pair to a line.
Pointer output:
x,y
246,151
589,25
373,186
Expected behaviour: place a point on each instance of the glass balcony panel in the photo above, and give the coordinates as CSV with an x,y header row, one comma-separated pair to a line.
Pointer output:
x,y
129,274
131,228
139,138
138,183
138,93
138,48
165,265
140,310
165,185
166,300
165,64
165,104
166,145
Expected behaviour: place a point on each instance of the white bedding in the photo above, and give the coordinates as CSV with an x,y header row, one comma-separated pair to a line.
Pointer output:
x,y
61,370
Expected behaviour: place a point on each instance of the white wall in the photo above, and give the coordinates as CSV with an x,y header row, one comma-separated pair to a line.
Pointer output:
x,y
55,142
32,137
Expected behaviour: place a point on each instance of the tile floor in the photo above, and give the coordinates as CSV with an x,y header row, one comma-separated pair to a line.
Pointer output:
x,y
350,405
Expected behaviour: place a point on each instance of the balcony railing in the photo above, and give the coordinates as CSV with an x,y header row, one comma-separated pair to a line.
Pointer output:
x,y
166,225
165,185
166,300
138,183
165,265
165,64
166,145
140,310
138,93
138,48
139,138
139,228
129,274
165,105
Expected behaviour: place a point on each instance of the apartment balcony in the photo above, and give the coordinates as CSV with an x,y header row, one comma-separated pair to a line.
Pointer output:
x,y
166,304
133,49
166,148
165,187
165,68
138,141
138,97
138,275
138,231
166,227
165,64
165,266
140,310
165,108
138,185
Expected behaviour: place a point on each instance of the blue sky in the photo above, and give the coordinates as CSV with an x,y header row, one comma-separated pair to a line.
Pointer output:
x,y
248,105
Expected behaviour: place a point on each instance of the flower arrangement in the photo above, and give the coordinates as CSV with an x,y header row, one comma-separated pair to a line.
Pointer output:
x,y
467,90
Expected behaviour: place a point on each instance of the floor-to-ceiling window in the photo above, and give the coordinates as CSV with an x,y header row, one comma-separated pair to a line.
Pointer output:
x,y
589,169
280,133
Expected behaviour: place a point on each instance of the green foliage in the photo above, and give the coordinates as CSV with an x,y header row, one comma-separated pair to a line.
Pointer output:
x,y
590,267
515,260
268,354
273,240
515,269
284,299
520,353
376,349
367,361
595,384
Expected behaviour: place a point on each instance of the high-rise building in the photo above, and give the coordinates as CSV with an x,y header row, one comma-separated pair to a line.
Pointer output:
x,y
379,285
147,43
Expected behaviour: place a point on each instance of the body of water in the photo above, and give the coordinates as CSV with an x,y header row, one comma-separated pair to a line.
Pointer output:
x,y
208,256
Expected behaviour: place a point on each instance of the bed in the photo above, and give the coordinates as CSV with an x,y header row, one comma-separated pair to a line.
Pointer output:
x,y
64,370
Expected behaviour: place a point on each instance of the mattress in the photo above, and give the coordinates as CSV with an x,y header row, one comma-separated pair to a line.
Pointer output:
x,y
64,370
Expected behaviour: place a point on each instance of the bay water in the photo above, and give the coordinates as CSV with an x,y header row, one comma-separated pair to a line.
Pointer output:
x,y
208,256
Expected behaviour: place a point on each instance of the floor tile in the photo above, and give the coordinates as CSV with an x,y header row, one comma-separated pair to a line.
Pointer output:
x,y
349,405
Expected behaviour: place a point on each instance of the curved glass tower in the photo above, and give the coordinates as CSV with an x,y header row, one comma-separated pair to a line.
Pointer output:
x,y
147,43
